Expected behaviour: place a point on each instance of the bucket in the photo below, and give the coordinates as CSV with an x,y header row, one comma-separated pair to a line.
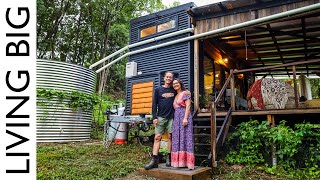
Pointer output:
x,y
117,132
119,141
112,131
121,135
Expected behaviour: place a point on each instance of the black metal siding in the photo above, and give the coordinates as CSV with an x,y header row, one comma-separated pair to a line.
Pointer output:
x,y
177,57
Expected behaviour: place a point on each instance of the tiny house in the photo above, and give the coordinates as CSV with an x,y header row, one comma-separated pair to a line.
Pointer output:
x,y
152,65
219,50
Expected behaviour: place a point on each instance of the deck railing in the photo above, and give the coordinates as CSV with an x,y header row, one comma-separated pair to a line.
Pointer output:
x,y
224,130
293,64
213,119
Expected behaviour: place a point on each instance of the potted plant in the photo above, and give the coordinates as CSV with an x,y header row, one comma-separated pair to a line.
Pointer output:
x,y
204,102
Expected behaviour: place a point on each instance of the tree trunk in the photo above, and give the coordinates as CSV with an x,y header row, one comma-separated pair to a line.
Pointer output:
x,y
75,50
103,53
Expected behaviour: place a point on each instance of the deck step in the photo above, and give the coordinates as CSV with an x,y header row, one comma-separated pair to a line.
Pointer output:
x,y
201,119
202,127
207,119
201,155
201,144
199,135
205,127
167,173
202,136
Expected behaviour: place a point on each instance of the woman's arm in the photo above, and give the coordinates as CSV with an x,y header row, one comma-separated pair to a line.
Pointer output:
x,y
186,114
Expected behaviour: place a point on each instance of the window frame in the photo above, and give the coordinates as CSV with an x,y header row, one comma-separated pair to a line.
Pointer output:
x,y
145,27
175,18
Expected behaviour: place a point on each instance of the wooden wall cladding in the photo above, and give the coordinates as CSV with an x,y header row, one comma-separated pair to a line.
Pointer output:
x,y
142,98
206,25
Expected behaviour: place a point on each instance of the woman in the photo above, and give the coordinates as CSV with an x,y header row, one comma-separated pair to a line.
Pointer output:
x,y
182,153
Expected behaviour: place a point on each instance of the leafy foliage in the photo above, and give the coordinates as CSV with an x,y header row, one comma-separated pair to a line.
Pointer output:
x,y
315,88
297,148
75,99
83,32
287,142
249,150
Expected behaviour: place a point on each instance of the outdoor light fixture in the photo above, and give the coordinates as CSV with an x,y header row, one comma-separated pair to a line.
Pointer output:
x,y
240,76
225,60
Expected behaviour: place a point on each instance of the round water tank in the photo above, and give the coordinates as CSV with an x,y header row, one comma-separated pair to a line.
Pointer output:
x,y
56,122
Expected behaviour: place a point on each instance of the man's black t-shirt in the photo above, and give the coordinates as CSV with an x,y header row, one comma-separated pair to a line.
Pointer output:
x,y
162,103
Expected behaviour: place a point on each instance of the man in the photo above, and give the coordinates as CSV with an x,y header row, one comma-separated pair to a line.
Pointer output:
x,y
162,113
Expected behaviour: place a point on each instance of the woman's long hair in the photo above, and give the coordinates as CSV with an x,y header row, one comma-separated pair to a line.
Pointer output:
x,y
183,88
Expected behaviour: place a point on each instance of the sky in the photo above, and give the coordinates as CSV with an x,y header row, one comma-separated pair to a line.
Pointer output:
x,y
197,2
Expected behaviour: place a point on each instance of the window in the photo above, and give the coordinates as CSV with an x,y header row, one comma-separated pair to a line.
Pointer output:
x,y
147,31
167,25
157,28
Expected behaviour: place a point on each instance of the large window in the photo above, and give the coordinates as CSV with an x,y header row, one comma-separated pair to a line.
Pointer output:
x,y
157,28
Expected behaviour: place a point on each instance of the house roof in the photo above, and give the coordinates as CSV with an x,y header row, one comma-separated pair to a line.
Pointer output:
x,y
282,41
164,12
228,7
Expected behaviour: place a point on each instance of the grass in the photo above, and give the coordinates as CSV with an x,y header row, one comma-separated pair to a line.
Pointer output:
x,y
88,160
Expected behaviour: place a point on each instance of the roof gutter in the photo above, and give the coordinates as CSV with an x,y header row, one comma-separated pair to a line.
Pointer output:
x,y
221,30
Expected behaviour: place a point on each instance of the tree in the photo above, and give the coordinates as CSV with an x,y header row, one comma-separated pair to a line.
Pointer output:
x,y
84,31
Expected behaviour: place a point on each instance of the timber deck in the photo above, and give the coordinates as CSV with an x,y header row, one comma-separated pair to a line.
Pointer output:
x,y
264,112
168,173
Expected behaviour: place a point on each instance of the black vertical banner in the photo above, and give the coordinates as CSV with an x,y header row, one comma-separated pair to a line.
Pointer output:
x,y
18,89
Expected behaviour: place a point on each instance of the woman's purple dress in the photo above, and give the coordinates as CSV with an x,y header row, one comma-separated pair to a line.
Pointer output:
x,y
182,153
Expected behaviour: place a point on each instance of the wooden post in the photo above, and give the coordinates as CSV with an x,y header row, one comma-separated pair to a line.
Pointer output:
x,y
232,91
295,86
273,148
269,119
227,129
196,71
213,134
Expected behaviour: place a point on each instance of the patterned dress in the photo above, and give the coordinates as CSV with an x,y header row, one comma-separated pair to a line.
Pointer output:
x,y
182,153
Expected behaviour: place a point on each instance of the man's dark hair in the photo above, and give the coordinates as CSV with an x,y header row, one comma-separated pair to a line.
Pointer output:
x,y
167,73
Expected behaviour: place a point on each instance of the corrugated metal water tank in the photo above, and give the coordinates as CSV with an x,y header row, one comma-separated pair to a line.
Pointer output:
x,y
56,122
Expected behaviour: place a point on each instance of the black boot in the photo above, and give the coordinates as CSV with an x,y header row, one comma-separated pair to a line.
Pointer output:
x,y
168,160
153,163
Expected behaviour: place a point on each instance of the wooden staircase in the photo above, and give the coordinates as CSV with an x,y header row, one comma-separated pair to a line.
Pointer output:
x,y
202,138
210,132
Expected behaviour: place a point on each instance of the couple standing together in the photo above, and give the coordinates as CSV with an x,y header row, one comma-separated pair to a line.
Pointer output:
x,y
171,106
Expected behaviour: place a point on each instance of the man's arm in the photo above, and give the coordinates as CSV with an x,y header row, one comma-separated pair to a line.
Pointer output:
x,y
155,104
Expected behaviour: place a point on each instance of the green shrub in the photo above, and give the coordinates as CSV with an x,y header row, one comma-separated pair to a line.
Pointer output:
x,y
249,149
297,149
